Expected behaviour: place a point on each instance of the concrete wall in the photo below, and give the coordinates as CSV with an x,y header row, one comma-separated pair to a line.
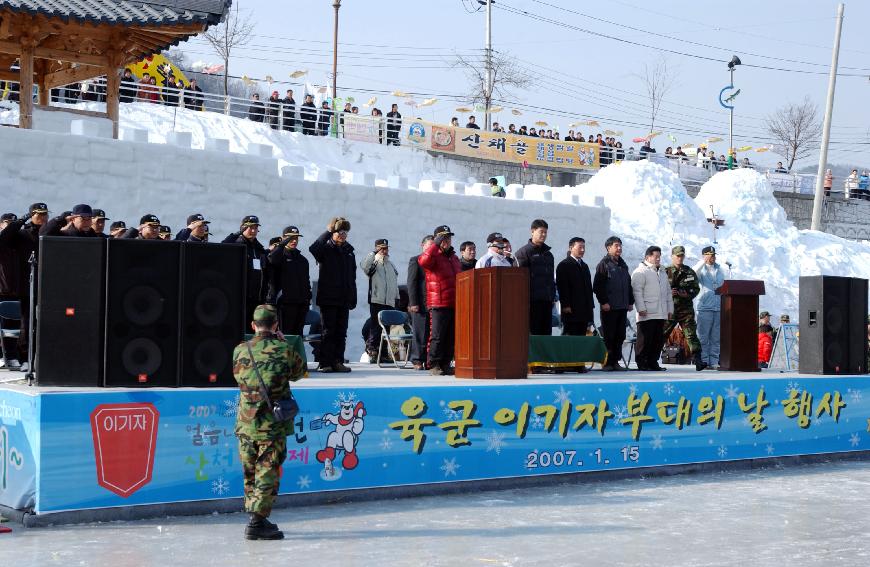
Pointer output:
x,y
129,179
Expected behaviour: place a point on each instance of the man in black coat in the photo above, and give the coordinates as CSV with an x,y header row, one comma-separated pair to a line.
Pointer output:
x,y
128,87
308,114
257,110
612,287
195,231
291,283
394,125
536,256
417,309
324,119
574,283
10,282
171,90
273,111
80,222
336,291
289,111
256,263
26,244
99,223
193,97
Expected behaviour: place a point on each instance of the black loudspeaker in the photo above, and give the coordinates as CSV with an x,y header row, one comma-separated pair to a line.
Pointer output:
x,y
212,312
69,311
142,313
833,325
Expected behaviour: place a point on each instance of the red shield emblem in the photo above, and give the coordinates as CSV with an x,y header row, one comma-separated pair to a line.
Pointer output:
x,y
125,440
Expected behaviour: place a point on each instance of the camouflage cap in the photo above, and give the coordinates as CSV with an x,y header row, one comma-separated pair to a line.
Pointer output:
x,y
678,251
266,314
763,314
784,318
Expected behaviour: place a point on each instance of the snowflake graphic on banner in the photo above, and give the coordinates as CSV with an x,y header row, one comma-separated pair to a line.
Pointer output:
x,y
449,413
386,443
669,389
656,442
348,398
792,385
620,413
495,442
854,440
770,449
562,396
731,392
632,388
231,407
537,422
722,451
303,482
450,467
219,486
854,395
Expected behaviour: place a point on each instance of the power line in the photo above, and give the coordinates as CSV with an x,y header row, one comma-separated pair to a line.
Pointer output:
x,y
558,23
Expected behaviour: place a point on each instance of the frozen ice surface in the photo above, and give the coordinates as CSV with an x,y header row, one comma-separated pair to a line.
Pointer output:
x,y
806,515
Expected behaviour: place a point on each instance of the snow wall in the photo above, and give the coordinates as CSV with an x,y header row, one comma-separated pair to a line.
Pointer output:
x,y
129,179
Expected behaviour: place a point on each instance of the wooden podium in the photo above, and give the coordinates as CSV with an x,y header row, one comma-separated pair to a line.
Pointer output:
x,y
739,325
492,323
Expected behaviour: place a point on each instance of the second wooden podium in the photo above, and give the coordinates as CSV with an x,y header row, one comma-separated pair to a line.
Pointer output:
x,y
492,323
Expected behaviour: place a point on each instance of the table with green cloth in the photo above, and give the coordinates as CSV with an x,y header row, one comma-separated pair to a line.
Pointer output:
x,y
565,351
296,343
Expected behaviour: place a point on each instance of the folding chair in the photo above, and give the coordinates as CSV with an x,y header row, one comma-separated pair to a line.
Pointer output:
x,y
312,318
388,319
9,311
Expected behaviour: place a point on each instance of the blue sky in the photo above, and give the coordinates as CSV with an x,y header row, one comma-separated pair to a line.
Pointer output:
x,y
388,45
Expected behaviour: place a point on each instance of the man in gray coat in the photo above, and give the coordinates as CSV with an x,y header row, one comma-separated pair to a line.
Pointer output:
x,y
383,290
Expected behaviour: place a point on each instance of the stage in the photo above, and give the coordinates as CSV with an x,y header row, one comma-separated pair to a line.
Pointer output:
x,y
77,454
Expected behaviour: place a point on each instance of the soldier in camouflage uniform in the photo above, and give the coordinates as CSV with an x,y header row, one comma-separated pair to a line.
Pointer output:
x,y
262,440
684,288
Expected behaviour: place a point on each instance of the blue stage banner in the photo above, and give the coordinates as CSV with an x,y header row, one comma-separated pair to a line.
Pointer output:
x,y
121,448
19,433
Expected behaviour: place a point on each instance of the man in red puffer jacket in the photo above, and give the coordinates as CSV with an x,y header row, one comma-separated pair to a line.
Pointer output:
x,y
765,345
441,265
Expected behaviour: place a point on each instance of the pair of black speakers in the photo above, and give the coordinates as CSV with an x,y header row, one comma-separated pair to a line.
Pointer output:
x,y
833,325
138,313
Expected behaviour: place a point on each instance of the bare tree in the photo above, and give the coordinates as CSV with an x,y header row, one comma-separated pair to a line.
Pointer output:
x,y
234,31
658,78
796,129
507,76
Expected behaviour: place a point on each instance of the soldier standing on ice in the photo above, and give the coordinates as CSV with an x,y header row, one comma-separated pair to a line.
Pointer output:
x,y
684,288
263,439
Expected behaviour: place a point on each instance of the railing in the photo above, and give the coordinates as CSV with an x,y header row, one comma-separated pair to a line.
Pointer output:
x,y
320,121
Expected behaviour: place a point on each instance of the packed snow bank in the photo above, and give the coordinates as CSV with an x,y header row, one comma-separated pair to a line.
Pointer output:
x,y
650,206
313,153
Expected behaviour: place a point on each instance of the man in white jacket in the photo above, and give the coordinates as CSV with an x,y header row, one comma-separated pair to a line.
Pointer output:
x,y
654,304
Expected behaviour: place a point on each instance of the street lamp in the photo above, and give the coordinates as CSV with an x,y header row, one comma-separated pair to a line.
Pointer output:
x,y
735,61
335,4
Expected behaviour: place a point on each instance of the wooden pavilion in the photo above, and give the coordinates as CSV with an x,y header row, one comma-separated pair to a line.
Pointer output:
x,y
58,42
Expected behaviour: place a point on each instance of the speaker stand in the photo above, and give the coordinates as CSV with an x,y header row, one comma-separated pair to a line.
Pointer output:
x,y
31,336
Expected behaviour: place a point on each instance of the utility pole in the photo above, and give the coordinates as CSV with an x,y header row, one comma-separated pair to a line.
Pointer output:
x,y
731,117
335,4
488,97
826,128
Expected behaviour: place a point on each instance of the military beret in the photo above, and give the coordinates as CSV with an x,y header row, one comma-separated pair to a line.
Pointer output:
x,y
265,314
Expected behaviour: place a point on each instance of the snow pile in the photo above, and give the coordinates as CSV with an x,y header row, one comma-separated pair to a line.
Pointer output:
x,y
650,206
313,153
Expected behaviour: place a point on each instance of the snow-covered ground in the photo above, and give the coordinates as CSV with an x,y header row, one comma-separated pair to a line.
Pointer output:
x,y
801,516
648,202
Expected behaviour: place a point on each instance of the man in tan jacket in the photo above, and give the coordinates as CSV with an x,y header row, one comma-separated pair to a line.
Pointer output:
x,y
652,298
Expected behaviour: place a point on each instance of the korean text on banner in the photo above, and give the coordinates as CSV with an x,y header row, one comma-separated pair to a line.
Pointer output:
x,y
499,146
361,128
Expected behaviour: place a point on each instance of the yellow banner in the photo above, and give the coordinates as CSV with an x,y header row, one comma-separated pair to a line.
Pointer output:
x,y
500,146
158,67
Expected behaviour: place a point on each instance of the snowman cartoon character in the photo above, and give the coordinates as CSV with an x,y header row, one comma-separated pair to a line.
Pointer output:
x,y
348,426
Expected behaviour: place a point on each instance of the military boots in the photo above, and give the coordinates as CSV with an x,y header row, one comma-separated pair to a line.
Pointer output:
x,y
261,528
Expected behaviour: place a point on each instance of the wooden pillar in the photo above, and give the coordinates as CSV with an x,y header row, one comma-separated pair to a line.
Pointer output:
x,y
41,66
25,96
113,87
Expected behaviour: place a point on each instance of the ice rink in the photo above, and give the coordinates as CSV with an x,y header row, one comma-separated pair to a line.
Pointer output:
x,y
804,515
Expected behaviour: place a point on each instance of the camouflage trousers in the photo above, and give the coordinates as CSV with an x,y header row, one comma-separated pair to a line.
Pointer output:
x,y
261,463
686,319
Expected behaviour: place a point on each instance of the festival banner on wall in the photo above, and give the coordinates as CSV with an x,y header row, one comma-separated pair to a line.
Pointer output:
x,y
159,446
361,128
500,146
